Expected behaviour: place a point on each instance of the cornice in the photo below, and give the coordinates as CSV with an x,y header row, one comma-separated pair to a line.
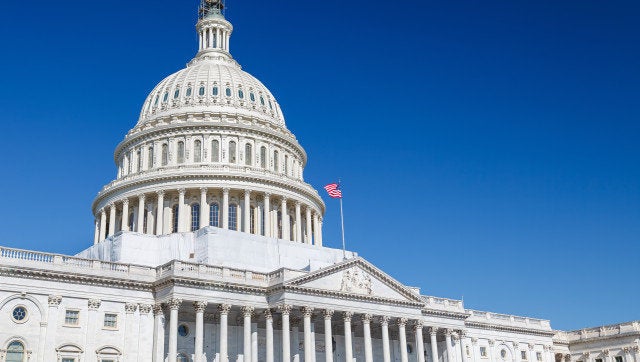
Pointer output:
x,y
342,295
634,334
445,313
501,328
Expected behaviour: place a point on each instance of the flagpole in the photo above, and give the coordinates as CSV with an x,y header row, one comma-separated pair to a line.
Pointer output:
x,y
344,248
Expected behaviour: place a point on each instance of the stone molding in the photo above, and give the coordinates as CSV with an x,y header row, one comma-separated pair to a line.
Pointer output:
x,y
94,304
130,308
54,300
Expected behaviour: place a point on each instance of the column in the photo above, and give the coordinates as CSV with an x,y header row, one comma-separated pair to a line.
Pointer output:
x,y
269,335
96,235
433,332
224,315
447,336
112,219
308,237
204,208
316,229
246,313
254,342
174,305
103,225
295,339
181,211
366,329
247,211
348,348
386,350
158,333
199,307
417,329
266,213
286,336
307,312
402,336
131,329
636,352
160,214
145,329
285,219
125,215
141,211
328,340
491,351
225,208
92,323
319,243
475,352
298,223
607,355
52,324
463,352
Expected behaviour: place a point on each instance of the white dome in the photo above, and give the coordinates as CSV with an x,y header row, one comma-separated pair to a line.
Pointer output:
x,y
211,83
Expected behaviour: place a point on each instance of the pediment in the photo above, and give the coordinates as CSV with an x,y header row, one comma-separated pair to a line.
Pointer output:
x,y
356,277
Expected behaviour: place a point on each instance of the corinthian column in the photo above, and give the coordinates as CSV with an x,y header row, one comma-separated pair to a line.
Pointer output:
x,y
269,332
112,219
158,333
141,212
204,208
246,313
307,312
52,325
225,208
308,237
103,225
160,214
348,347
224,315
125,215
417,328
463,353
285,219
267,215
402,322
247,211
386,351
328,339
199,338
298,223
181,211
286,336
366,329
433,332
174,305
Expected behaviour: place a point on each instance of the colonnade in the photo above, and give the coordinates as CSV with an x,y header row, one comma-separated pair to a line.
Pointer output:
x,y
184,210
214,37
290,333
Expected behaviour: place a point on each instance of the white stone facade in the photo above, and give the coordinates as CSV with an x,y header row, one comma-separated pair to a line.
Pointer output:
x,y
208,247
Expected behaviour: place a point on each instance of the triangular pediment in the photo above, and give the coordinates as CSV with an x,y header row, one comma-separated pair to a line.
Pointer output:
x,y
356,277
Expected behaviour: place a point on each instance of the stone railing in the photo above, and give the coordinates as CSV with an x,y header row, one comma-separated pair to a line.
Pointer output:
x,y
178,268
32,259
603,331
443,303
509,320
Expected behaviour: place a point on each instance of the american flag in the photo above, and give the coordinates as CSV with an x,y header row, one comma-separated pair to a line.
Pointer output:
x,y
334,191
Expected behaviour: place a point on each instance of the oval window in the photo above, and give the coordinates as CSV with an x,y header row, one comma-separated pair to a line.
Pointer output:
x,y
176,94
189,92
215,91
228,92
261,100
183,330
252,97
201,91
157,99
166,97
240,94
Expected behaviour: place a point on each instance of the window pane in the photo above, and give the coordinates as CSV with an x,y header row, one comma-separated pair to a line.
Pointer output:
x,y
232,152
195,217
275,161
71,317
165,155
215,151
110,320
214,215
180,152
233,217
197,151
248,157
263,157
175,218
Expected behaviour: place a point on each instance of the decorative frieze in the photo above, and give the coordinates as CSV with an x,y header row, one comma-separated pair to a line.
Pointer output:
x,y
94,304
54,300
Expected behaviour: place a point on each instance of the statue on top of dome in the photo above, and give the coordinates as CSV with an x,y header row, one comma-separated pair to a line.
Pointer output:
x,y
211,7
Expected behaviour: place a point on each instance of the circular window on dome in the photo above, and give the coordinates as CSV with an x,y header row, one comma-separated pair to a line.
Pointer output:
x,y
183,330
19,314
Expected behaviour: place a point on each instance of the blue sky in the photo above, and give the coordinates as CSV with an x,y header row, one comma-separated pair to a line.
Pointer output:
x,y
488,149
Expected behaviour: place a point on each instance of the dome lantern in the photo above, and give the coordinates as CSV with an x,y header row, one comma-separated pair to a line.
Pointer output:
x,y
214,30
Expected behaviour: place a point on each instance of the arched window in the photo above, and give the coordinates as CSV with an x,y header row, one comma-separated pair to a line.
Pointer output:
x,y
233,217
195,217
15,352
228,92
180,152
215,91
263,157
252,219
145,222
279,224
291,229
240,94
232,152
248,154
165,154
139,160
262,224
214,215
166,97
275,161
201,91
176,94
175,218
189,92
182,358
150,158
262,100
286,165
129,162
197,151
215,151
252,97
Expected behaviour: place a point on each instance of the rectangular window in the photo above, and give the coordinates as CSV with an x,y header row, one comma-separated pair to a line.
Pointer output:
x,y
523,355
483,352
110,320
68,360
72,317
598,359
618,358
539,356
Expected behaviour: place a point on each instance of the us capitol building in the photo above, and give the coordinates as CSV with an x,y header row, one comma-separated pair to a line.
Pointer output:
x,y
208,247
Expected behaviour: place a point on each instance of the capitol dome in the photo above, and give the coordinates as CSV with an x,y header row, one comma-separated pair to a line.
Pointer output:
x,y
210,149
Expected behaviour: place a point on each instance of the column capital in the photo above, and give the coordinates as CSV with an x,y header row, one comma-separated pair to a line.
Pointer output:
x,y
226,190
492,342
433,331
247,311
112,206
174,303
402,321
284,309
462,333
267,314
160,193
157,309
384,320
474,340
224,308
283,199
103,212
247,193
145,308
130,308
267,195
586,354
94,304
54,300
142,197
515,345
200,306
298,204
636,349
448,332
417,325
328,313
347,316
567,357
125,202
182,191
366,318
307,311
203,190
604,351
